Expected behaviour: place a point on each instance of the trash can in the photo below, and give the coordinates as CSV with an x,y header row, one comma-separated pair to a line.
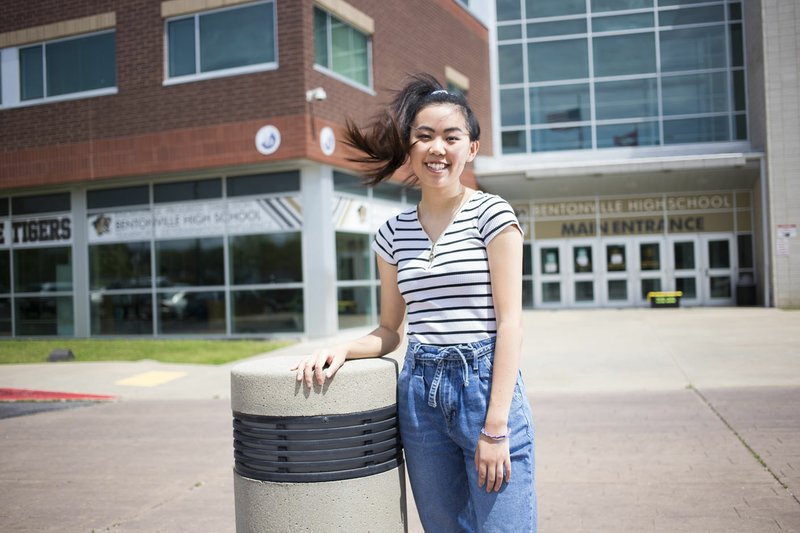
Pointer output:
x,y
322,459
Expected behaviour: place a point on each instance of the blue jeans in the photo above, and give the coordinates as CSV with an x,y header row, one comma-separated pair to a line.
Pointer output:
x,y
443,396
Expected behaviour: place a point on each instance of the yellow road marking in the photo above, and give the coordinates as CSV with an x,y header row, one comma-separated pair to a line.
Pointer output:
x,y
150,379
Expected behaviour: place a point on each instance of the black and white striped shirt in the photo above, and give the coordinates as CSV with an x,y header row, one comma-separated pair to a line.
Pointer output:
x,y
446,285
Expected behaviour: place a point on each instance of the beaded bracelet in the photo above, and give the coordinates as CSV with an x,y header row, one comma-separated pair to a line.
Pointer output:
x,y
493,437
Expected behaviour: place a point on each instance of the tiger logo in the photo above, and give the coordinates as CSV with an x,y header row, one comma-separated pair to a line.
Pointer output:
x,y
102,224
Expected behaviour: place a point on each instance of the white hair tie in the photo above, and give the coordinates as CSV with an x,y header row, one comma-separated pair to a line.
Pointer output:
x,y
439,91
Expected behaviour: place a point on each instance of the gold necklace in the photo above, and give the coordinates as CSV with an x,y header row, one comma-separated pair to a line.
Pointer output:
x,y
453,213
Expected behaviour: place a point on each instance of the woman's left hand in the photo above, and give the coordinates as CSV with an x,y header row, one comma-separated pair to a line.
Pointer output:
x,y
493,463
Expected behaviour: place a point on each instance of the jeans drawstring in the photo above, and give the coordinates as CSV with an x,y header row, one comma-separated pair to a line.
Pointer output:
x,y
437,377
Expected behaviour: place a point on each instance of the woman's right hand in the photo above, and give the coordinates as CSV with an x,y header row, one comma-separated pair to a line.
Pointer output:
x,y
322,365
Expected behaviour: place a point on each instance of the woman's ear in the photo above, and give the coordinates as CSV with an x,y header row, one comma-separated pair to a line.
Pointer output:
x,y
473,150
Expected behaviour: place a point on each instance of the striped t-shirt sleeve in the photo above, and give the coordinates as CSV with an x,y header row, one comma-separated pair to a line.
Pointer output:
x,y
383,243
496,215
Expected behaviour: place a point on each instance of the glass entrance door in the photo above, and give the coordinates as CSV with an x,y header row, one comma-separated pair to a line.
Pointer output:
x,y
617,271
650,273
583,283
685,268
718,269
549,274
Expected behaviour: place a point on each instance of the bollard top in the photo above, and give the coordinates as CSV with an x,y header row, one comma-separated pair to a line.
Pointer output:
x,y
267,387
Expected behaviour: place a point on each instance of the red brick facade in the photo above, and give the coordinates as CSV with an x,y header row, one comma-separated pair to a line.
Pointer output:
x,y
149,128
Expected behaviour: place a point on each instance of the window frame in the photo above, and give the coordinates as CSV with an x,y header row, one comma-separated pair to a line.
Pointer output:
x,y
328,70
220,73
14,99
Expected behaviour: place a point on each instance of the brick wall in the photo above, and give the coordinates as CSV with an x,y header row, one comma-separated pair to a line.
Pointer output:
x,y
150,128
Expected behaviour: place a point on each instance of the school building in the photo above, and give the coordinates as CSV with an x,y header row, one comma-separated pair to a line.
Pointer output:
x,y
176,167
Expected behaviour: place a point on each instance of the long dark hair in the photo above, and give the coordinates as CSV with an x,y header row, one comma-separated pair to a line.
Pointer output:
x,y
386,140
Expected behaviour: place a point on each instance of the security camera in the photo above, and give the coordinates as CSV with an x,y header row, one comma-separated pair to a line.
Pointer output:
x,y
317,94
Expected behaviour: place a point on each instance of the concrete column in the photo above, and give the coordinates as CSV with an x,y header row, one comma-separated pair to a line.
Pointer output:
x,y
319,251
80,265
327,459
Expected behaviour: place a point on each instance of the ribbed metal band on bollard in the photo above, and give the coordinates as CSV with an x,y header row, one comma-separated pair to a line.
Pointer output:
x,y
305,449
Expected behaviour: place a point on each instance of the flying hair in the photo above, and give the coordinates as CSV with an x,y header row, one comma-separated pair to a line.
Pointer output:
x,y
386,140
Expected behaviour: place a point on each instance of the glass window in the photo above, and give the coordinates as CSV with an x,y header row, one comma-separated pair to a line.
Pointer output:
x,y
527,267
31,73
558,60
4,207
739,95
508,9
72,66
622,22
693,48
119,266
679,2
551,292
507,33
550,262
650,285
44,316
276,182
684,255
569,138
388,191
353,256
582,259
744,246
513,142
122,196
43,203
267,311
267,258
527,294
692,15
741,127
354,307
549,8
349,184
509,63
619,5
43,269
719,254
649,256
615,258
512,107
737,46
81,64
619,55
5,271
341,48
688,286
695,93
736,11
223,39
560,103
563,27
629,134
584,291
5,317
626,99
182,191
694,130
720,286
187,262
188,312
617,289
121,314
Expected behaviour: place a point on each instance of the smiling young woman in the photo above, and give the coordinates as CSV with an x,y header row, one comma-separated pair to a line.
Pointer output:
x,y
451,272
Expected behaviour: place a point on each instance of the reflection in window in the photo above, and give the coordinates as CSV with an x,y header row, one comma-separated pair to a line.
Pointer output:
x,y
353,256
119,266
121,314
626,99
560,103
509,58
695,130
617,290
43,270
615,258
44,316
695,93
190,262
629,134
561,138
549,258
267,258
354,306
223,39
582,259
693,48
649,256
266,311
191,312
558,60
537,8
620,55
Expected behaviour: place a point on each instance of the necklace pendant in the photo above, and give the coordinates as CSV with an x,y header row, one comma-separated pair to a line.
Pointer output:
x,y
431,256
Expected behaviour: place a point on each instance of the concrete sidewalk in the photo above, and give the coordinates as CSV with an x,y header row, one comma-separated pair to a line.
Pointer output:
x,y
647,420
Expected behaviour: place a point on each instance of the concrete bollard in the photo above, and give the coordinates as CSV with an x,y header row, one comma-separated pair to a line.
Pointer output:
x,y
321,459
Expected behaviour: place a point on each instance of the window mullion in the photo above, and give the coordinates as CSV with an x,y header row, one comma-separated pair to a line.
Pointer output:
x,y
197,44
